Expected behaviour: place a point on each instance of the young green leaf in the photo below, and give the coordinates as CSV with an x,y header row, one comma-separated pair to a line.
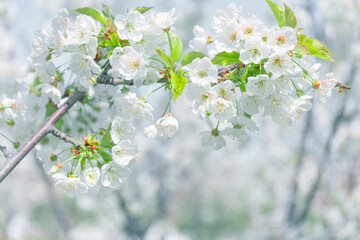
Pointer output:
x,y
167,59
278,13
302,49
92,12
178,82
105,156
107,137
318,49
106,11
142,9
225,58
290,19
176,46
188,58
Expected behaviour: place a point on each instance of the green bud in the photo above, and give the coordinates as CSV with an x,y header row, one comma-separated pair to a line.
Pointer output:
x,y
48,57
215,132
247,115
125,90
53,157
299,93
10,122
298,55
16,145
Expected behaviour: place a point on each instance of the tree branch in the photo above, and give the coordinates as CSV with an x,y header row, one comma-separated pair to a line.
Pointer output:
x,y
109,80
104,78
14,160
57,133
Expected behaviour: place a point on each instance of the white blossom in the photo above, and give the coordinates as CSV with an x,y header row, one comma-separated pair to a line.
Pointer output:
x,y
278,64
71,185
92,176
121,129
82,30
282,39
259,86
123,153
83,65
222,109
51,92
164,128
255,51
130,26
129,106
113,174
201,40
165,19
132,65
202,71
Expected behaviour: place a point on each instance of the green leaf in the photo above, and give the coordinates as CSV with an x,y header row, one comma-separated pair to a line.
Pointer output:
x,y
106,156
142,9
107,137
290,19
92,12
167,59
188,58
107,11
284,17
302,49
225,58
301,38
178,82
176,46
318,49
278,13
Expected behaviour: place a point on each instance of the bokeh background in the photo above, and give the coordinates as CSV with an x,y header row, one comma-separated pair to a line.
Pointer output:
x,y
298,182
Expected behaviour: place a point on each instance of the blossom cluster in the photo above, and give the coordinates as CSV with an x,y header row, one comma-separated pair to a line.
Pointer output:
x,y
241,71
273,79
75,55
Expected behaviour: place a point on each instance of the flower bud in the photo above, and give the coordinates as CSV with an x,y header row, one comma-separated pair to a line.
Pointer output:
x,y
55,168
10,122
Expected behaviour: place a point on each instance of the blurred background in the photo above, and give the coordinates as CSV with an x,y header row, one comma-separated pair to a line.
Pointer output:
x,y
298,182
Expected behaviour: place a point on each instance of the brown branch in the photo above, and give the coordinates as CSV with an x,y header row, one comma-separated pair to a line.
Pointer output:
x,y
109,80
57,133
14,160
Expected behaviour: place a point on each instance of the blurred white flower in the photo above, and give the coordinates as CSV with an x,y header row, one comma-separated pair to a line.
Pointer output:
x,y
70,185
123,153
112,174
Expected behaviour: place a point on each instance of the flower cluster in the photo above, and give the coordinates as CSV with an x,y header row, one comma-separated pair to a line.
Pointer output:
x,y
243,70
272,77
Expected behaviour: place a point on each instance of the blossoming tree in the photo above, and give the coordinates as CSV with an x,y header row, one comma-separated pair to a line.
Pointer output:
x,y
87,66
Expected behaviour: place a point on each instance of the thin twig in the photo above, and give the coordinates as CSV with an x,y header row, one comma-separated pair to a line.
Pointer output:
x,y
57,133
